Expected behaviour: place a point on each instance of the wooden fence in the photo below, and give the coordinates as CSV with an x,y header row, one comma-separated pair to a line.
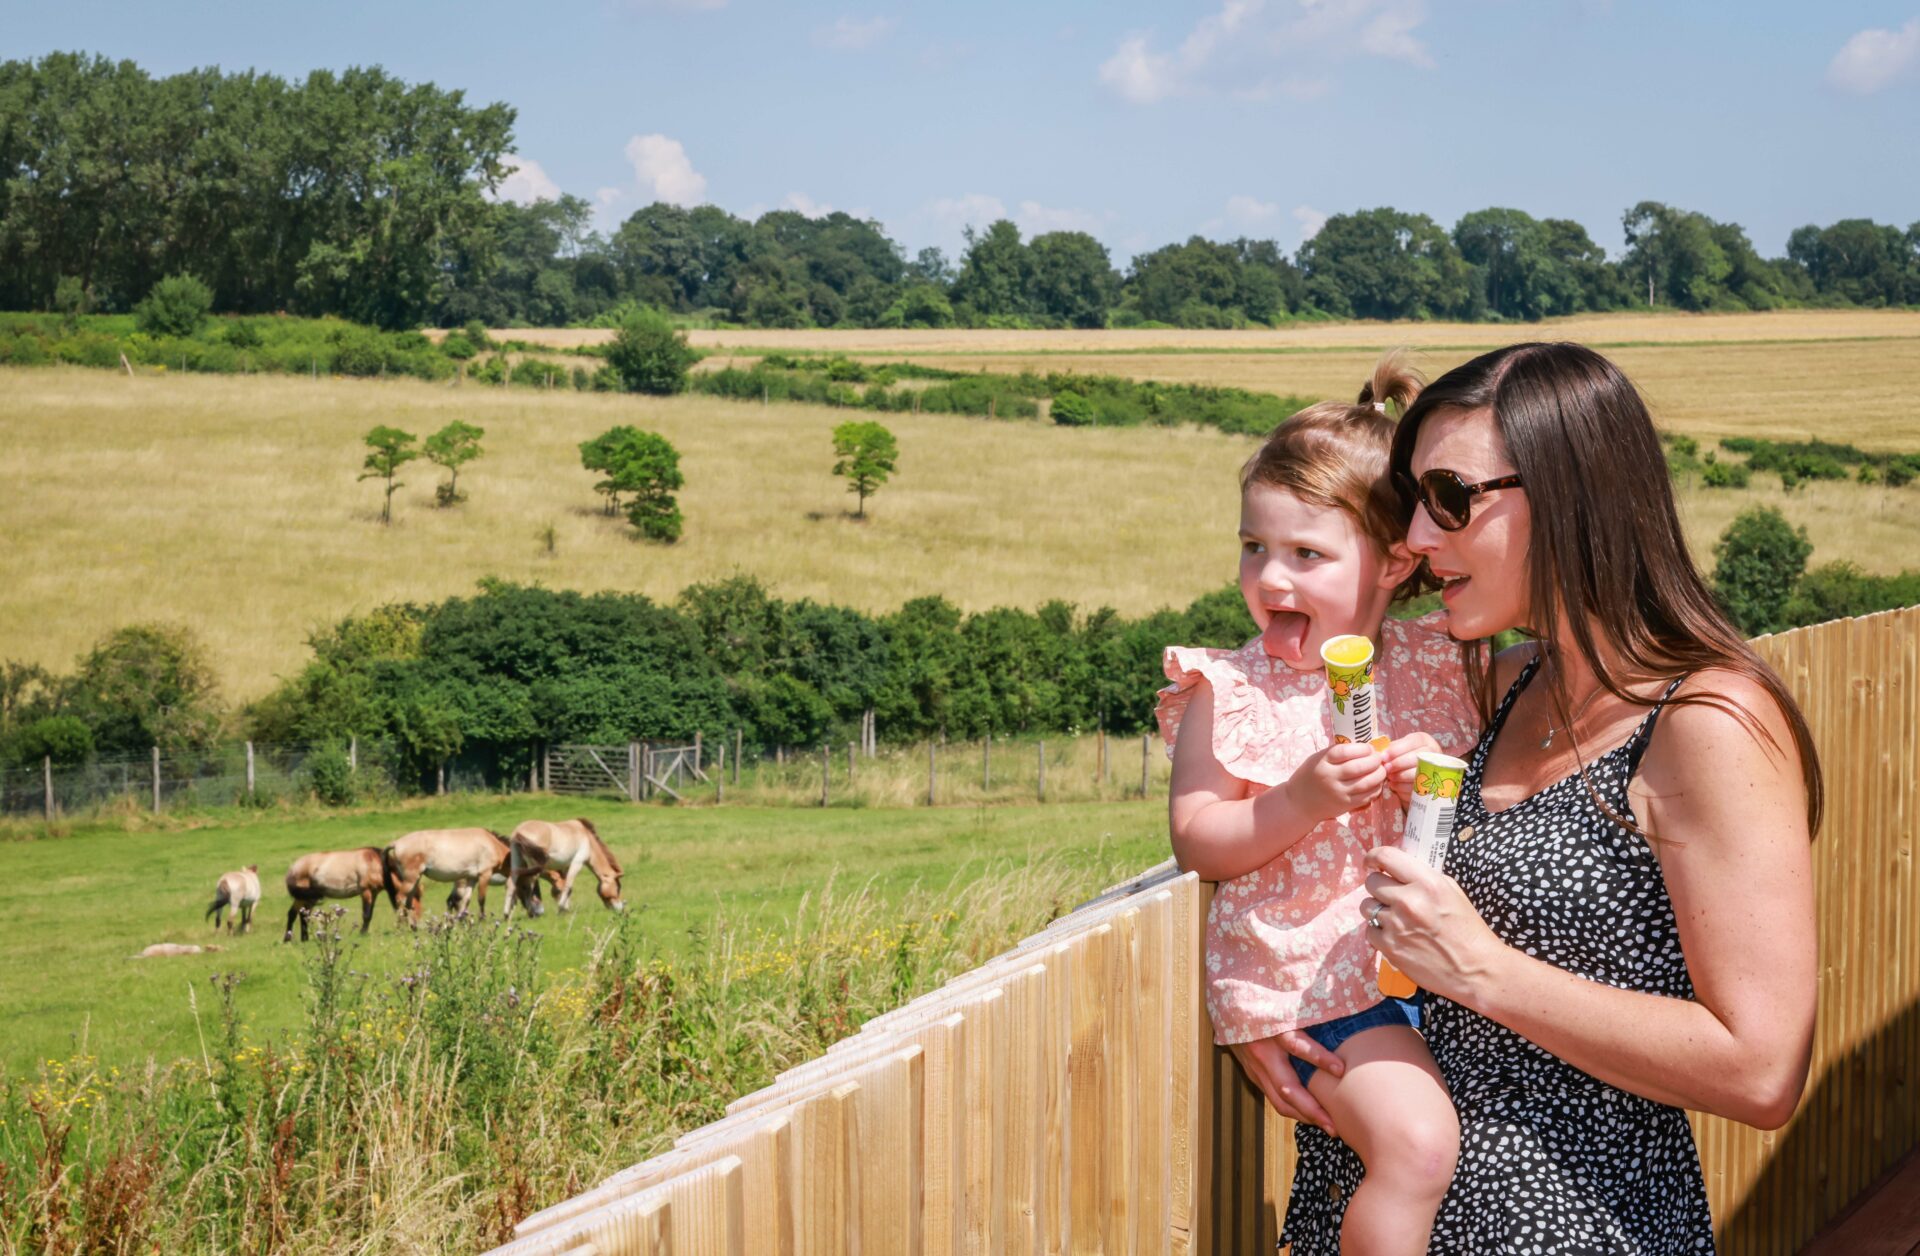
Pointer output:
x,y
1066,1096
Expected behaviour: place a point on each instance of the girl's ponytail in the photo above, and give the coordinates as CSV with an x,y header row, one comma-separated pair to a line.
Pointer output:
x,y
1392,380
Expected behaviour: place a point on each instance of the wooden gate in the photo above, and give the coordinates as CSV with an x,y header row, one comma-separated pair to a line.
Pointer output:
x,y
636,771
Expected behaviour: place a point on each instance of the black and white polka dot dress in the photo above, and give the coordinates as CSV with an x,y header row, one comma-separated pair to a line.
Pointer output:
x,y
1552,1160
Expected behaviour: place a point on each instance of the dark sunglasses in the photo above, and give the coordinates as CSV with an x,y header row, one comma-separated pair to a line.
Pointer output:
x,y
1448,498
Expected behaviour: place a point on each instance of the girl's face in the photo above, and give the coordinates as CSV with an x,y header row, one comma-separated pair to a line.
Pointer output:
x,y
1483,566
1309,574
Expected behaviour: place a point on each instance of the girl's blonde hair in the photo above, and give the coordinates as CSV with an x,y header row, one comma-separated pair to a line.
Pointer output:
x,y
1337,455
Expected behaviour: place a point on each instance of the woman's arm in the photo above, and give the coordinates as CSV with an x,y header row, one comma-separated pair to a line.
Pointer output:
x,y
1727,812
1220,833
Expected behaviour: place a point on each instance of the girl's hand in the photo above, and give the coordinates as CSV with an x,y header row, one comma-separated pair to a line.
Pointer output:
x,y
1428,929
1341,778
1402,759
1267,1063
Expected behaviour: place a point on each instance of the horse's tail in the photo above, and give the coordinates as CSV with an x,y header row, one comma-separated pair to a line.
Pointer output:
x,y
219,900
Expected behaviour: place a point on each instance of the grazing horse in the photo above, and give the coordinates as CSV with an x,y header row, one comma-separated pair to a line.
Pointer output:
x,y
562,847
240,891
469,858
360,874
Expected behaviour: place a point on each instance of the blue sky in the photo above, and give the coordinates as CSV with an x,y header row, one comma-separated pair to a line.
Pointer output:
x,y
1140,123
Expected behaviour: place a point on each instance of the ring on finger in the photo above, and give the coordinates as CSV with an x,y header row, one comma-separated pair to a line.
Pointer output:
x,y
1373,917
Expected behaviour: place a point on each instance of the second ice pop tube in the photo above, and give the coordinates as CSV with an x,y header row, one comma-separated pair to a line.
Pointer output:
x,y
1436,793
1351,691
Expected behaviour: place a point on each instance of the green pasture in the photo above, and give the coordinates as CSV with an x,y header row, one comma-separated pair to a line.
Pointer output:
x,y
75,909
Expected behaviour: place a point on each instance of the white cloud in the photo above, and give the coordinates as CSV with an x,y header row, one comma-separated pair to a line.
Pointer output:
x,y
972,210
525,182
1390,35
801,203
853,34
1310,220
1138,75
1255,52
1248,212
1035,219
663,172
1874,58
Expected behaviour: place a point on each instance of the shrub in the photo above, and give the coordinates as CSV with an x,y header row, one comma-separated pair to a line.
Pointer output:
x,y
1070,409
1899,472
1725,475
175,306
650,356
243,333
358,352
476,334
330,776
1759,559
1840,590
65,739
458,347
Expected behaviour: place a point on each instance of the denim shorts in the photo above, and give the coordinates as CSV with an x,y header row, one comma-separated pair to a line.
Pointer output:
x,y
1330,1034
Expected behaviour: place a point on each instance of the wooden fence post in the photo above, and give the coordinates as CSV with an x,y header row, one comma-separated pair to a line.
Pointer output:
x,y
533,769
156,778
249,770
353,754
930,771
46,776
826,770
737,755
1100,772
633,771
697,752
1146,761
440,779
849,765
546,768
1043,771
986,764
720,774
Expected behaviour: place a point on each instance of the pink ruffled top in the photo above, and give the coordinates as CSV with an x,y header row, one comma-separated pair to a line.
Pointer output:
x,y
1286,946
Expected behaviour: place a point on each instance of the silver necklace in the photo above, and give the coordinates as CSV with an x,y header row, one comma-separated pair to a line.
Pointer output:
x,y
1547,741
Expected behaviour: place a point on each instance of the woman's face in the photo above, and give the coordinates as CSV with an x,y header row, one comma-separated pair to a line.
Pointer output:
x,y
1483,566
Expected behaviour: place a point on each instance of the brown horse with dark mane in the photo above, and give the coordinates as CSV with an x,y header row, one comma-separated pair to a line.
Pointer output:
x,y
360,874
563,847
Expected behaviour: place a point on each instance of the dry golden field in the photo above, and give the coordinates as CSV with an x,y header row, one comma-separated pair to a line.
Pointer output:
x,y
231,505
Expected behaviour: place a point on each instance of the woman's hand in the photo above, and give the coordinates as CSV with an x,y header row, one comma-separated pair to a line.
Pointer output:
x,y
1427,928
1343,777
1402,760
1267,1062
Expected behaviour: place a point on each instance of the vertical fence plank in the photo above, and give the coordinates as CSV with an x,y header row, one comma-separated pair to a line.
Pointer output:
x,y
1151,1021
986,1124
1089,963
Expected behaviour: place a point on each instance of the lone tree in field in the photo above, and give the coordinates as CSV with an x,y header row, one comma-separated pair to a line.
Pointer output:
x,y
645,465
650,356
388,449
452,447
866,451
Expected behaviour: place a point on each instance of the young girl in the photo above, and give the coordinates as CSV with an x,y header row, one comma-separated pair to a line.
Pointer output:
x,y
1266,804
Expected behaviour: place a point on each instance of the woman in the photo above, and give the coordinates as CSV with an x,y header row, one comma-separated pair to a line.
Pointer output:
x,y
1625,927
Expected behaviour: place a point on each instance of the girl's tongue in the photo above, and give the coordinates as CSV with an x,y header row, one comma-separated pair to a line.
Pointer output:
x,y
1286,637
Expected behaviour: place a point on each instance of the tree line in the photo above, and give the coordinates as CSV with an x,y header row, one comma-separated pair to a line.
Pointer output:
x,y
490,676
358,195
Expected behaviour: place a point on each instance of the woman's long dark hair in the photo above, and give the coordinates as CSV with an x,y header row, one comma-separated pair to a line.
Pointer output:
x,y
1607,552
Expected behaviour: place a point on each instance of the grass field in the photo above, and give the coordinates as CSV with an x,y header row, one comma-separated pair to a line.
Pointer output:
x,y
230,504
74,910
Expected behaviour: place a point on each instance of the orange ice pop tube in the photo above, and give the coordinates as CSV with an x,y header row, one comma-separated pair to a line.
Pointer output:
x,y
1436,793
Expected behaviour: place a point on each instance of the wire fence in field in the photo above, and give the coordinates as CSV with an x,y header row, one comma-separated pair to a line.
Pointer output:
x,y
1059,768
